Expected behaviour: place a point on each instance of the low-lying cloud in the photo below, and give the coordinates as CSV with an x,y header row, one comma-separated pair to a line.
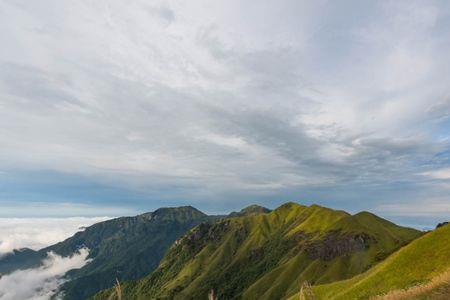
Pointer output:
x,y
41,283
37,233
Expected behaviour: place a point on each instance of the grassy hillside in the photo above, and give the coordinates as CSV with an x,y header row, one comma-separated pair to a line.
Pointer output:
x,y
421,261
265,256
127,248
438,288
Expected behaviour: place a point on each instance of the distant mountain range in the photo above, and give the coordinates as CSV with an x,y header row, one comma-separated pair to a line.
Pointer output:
x,y
126,248
292,252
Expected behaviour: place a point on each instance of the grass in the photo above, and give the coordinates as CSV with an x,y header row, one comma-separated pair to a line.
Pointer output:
x,y
436,288
414,267
117,292
306,292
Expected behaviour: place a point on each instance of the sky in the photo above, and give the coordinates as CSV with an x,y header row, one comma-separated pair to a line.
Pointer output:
x,y
112,108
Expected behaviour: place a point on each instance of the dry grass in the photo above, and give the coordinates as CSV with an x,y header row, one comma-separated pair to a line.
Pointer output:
x,y
212,296
306,292
117,293
419,290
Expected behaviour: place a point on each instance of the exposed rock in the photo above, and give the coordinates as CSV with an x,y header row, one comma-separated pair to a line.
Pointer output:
x,y
203,233
334,244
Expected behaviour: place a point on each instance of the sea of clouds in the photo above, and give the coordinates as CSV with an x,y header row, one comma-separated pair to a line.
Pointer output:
x,y
41,283
37,233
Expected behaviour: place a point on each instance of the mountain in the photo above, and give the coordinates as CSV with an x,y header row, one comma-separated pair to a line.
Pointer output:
x,y
127,248
265,256
423,265
250,210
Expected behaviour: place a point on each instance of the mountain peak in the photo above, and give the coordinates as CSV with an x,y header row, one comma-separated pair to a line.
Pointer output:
x,y
288,206
187,208
181,213
369,217
253,209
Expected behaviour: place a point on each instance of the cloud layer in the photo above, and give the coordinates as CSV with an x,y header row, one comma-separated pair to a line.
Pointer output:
x,y
37,233
40,283
147,104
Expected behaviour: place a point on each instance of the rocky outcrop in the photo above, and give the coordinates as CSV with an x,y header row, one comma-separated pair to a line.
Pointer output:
x,y
204,233
335,244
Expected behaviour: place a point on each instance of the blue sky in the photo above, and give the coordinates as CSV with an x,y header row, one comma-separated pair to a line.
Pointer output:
x,y
112,107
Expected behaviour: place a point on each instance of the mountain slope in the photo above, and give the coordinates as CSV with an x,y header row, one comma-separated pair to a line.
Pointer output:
x,y
264,256
127,248
417,263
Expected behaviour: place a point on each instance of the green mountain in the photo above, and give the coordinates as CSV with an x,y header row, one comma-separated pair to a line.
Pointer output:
x,y
266,255
250,210
423,260
127,248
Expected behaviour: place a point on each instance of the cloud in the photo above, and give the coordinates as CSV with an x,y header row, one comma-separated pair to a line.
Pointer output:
x,y
254,101
430,207
438,174
37,233
41,283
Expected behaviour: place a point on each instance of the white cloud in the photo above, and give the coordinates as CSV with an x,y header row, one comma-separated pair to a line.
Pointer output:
x,y
427,207
41,283
37,233
438,174
228,141
199,100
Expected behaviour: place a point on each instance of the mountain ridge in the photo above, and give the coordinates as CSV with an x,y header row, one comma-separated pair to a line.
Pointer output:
x,y
119,247
264,256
